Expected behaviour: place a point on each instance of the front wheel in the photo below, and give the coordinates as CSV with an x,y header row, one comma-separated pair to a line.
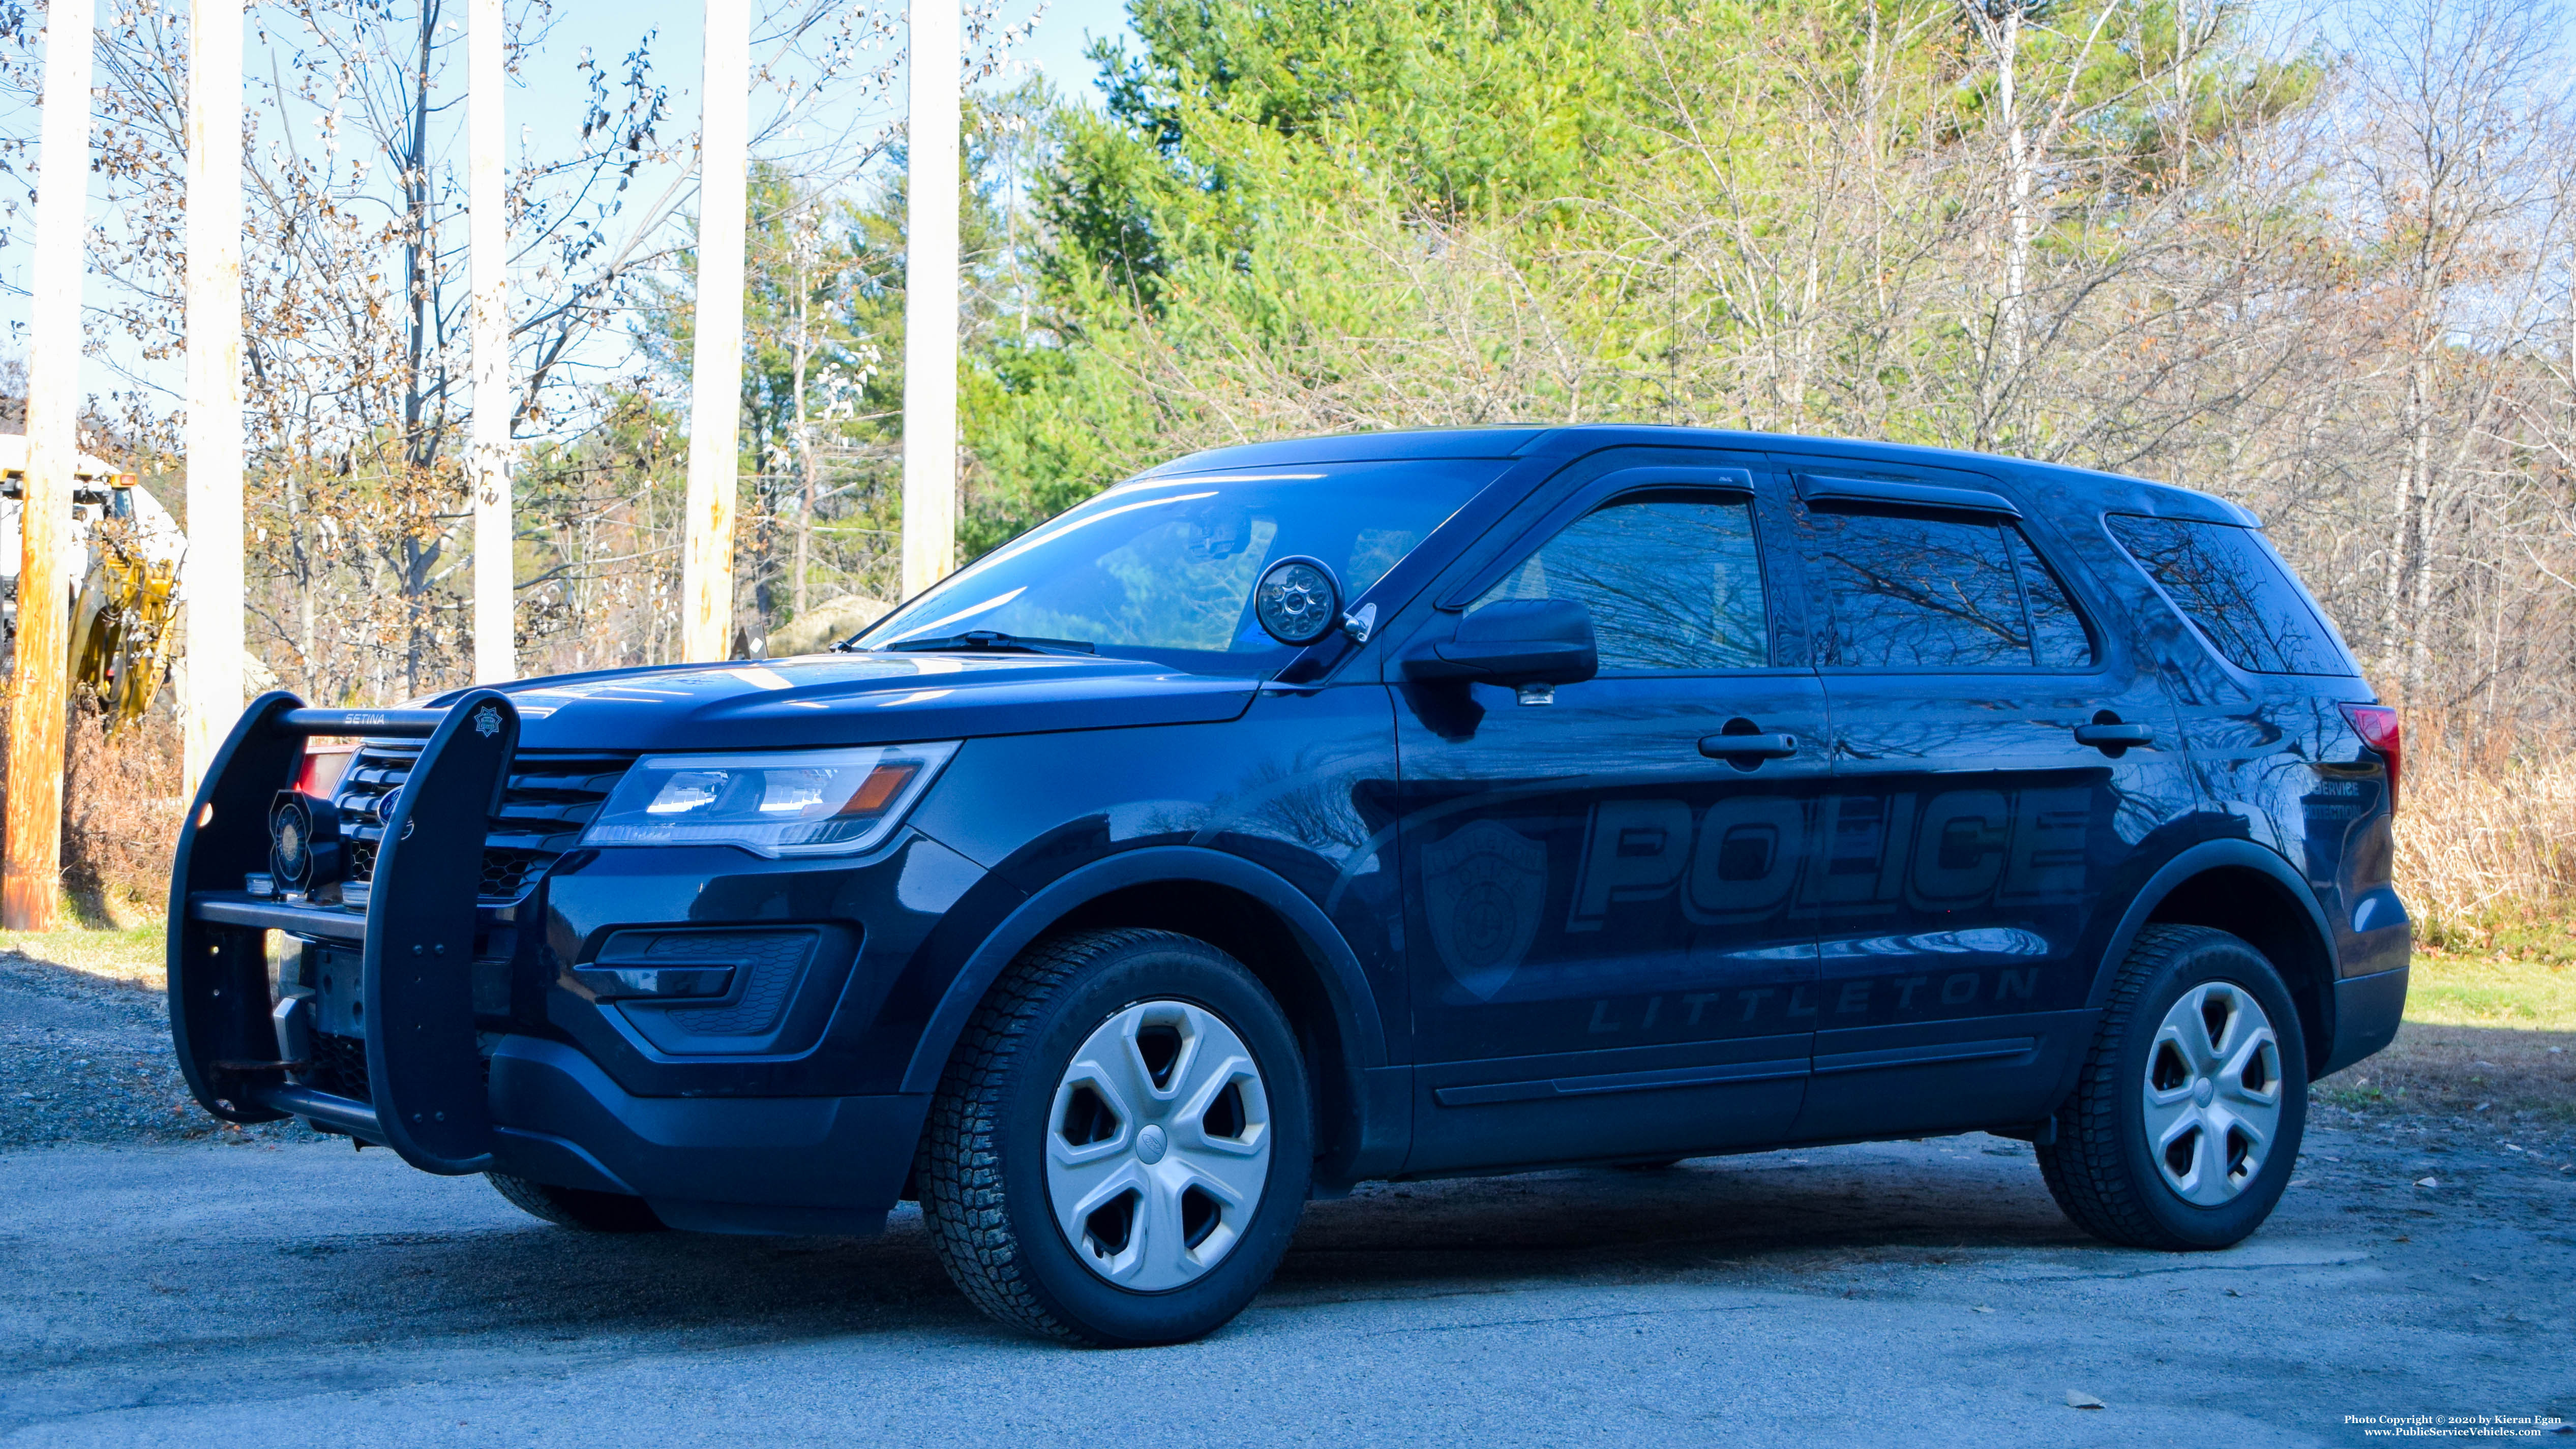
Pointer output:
x,y
1120,1146
2183,1129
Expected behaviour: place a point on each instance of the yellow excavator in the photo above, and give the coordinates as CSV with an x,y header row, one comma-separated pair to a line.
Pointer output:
x,y
121,559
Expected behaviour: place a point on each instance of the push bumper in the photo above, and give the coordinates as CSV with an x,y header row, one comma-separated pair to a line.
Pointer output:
x,y
436,1086
416,938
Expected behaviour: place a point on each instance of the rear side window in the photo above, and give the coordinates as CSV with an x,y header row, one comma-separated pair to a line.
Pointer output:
x,y
1673,583
2235,592
1904,591
2057,636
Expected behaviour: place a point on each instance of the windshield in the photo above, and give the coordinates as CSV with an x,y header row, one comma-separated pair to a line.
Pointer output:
x,y
1164,567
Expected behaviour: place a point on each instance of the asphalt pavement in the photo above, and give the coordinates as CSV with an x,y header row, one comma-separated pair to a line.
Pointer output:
x,y
282,1293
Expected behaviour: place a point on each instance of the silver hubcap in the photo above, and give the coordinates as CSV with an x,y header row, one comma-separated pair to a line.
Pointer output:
x,y
2213,1099
1157,1145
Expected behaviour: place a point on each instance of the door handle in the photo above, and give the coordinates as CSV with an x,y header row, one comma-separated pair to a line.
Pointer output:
x,y
1748,747
2111,735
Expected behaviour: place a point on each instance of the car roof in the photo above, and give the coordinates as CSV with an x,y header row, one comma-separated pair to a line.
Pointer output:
x,y
1373,447
2055,485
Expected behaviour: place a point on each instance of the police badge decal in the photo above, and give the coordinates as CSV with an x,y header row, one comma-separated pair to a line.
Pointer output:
x,y
1482,889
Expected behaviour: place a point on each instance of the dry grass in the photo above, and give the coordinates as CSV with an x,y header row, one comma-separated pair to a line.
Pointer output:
x,y
121,813
2486,849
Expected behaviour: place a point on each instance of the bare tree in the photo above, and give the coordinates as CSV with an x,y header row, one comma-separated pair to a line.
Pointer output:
x,y
2451,148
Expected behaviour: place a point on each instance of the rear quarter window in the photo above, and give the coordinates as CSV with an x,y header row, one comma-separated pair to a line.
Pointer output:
x,y
2236,592
1915,592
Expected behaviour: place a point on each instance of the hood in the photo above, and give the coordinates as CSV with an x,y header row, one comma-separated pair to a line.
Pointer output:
x,y
859,699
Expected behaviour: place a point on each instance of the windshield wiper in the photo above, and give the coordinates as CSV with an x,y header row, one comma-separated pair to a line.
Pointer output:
x,y
992,639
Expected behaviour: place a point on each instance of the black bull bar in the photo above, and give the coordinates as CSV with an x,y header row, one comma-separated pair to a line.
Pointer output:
x,y
425,1076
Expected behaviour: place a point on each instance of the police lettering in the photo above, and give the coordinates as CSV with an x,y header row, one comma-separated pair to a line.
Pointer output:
x,y
1723,1013
1747,857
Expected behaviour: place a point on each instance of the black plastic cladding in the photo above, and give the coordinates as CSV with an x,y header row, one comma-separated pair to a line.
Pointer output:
x,y
551,796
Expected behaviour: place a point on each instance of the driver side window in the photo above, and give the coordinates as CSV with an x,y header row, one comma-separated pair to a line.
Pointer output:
x,y
1674,584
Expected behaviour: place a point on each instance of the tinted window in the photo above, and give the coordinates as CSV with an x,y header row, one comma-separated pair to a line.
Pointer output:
x,y
1672,583
1903,591
1168,564
2235,591
2057,635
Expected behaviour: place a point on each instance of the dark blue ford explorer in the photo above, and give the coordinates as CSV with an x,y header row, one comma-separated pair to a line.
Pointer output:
x,y
1396,805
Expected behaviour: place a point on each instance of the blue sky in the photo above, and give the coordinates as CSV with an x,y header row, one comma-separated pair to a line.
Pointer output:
x,y
1055,48
543,102
1063,34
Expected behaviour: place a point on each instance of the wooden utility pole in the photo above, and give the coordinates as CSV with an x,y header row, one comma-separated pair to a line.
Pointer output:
x,y
31,892
715,367
930,298
488,244
210,579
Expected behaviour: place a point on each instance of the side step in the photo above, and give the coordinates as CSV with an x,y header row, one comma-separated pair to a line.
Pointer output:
x,y
424,1071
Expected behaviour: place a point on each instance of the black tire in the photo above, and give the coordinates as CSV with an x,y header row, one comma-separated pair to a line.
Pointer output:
x,y
2102,1169
576,1207
982,1168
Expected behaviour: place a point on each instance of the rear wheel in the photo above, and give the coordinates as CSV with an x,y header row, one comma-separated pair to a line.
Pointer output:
x,y
1120,1148
574,1207
2188,1118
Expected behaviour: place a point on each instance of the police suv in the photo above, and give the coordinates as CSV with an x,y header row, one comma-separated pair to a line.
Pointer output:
x,y
1386,806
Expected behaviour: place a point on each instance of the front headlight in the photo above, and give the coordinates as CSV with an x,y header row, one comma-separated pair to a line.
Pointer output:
x,y
790,802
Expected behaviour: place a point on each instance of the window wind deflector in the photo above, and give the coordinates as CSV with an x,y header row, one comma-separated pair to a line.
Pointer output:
x,y
1819,488
989,639
1592,496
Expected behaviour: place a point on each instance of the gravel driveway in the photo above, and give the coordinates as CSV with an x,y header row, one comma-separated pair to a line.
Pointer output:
x,y
280,1290
84,1059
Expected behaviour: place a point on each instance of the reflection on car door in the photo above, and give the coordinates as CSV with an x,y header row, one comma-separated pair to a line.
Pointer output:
x,y
1606,951
2001,769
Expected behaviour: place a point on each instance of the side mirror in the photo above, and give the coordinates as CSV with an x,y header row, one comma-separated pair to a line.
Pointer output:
x,y
1513,642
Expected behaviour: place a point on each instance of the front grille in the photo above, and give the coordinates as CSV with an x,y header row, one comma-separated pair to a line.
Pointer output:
x,y
339,1066
550,798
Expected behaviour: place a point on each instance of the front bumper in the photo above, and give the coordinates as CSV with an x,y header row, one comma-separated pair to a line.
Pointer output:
x,y
823,1165
427,1021
452,1033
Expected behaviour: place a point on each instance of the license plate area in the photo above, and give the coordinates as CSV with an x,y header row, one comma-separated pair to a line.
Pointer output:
x,y
338,983
335,977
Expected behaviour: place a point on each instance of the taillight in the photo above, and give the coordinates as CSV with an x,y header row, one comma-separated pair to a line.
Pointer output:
x,y
2378,728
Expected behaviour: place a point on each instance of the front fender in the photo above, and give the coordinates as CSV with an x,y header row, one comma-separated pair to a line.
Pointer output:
x,y
1345,985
